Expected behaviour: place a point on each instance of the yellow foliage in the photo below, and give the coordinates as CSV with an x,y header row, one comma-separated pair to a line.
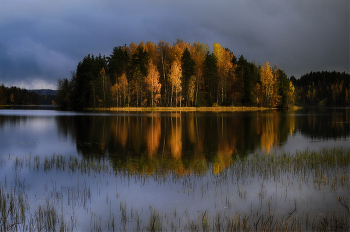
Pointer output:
x,y
152,82
191,86
218,52
267,82
175,75
12,97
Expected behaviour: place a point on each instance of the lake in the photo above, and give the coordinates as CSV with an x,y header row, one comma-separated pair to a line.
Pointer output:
x,y
174,170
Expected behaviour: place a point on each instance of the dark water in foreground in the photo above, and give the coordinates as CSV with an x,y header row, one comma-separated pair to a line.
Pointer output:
x,y
174,165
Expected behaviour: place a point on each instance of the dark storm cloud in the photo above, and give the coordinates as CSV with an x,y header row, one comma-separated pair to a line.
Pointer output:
x,y
42,41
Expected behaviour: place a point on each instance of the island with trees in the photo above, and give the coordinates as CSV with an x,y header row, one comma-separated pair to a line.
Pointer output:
x,y
178,75
183,75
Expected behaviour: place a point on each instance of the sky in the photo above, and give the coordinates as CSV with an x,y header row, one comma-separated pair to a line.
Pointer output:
x,y
42,41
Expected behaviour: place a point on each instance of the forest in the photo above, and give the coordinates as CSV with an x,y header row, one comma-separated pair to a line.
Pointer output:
x,y
17,96
177,75
322,89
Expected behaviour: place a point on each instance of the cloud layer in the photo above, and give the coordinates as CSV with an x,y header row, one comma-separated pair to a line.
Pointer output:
x,y
42,41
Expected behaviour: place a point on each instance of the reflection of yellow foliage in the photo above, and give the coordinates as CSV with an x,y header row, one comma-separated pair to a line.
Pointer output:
x,y
120,130
225,146
224,157
191,130
176,138
258,123
102,146
179,168
153,135
291,124
268,133
268,129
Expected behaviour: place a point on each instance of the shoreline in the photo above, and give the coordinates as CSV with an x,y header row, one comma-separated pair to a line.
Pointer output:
x,y
170,109
182,109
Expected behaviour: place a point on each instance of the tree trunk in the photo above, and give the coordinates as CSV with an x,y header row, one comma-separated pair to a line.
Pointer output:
x,y
171,97
104,94
175,97
152,96
180,99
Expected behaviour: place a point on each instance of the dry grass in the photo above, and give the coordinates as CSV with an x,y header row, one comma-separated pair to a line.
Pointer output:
x,y
296,108
183,109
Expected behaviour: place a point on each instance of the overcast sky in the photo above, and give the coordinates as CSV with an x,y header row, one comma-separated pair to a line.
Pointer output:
x,y
42,41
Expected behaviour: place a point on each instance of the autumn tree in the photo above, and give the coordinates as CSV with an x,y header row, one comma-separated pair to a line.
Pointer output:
x,y
175,55
12,98
175,80
198,53
290,96
124,86
224,64
191,89
278,79
115,94
152,50
267,82
131,49
187,66
178,49
152,83
120,89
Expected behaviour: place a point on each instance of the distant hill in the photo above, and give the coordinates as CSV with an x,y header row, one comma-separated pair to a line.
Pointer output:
x,y
45,91
47,95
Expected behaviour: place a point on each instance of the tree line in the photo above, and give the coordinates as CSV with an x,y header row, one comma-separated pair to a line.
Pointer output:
x,y
323,89
185,74
181,74
17,96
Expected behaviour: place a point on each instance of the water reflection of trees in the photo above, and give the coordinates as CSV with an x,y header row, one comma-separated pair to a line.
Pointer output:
x,y
183,142
178,141
325,123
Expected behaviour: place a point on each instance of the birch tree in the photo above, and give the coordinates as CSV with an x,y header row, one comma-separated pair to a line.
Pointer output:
x,y
175,79
224,64
267,82
152,83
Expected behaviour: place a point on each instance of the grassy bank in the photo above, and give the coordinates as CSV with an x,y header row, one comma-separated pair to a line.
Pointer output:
x,y
183,109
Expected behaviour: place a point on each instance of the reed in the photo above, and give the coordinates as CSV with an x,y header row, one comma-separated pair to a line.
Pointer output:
x,y
61,207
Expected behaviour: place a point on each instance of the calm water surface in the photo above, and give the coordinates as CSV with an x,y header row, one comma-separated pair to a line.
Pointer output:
x,y
164,161
179,135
